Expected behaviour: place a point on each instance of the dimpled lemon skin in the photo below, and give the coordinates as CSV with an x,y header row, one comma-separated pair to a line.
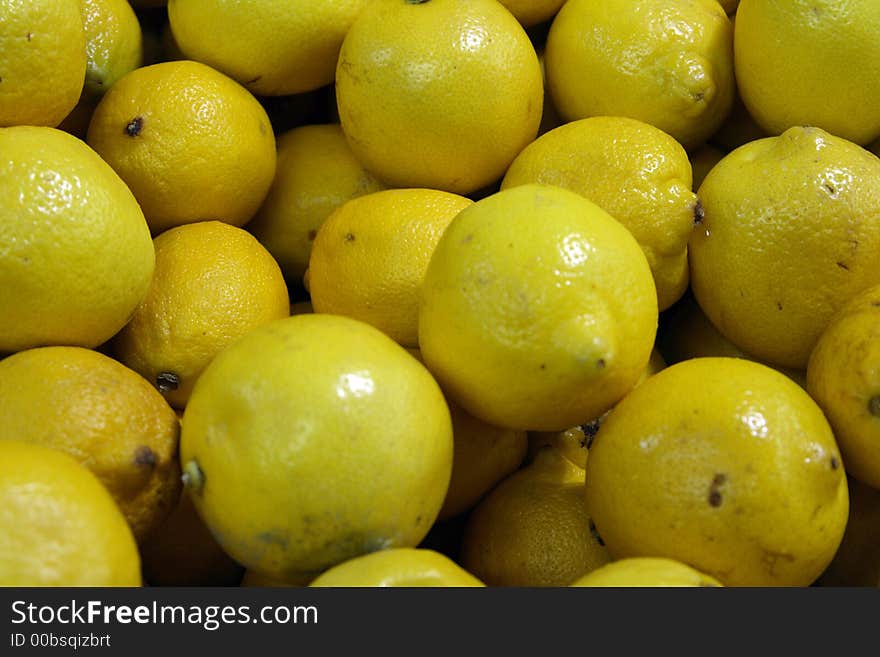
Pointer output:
x,y
411,86
114,43
538,309
58,524
669,64
636,173
213,284
191,143
273,47
75,252
646,571
313,440
316,173
723,464
398,567
843,376
790,232
810,63
370,256
42,59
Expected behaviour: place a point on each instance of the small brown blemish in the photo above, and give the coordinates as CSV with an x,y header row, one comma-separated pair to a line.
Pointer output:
x,y
166,381
134,127
834,463
349,237
30,35
590,430
418,520
842,265
254,80
467,238
830,189
143,455
715,497
699,213
874,406
595,533
600,363
312,235
876,304
779,305
543,366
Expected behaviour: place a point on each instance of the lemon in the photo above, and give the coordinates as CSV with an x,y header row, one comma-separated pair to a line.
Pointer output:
x,y
114,43
644,572
810,63
532,530
75,252
253,578
398,567
274,47
669,64
42,61
182,552
192,144
316,173
636,173
725,465
105,416
702,161
538,309
312,440
369,257
532,12
58,524
789,235
412,87
213,283
857,561
843,376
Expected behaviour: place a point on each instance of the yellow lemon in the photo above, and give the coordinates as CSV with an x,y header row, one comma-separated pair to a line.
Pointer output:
x,y
102,414
313,440
532,12
42,61
440,93
532,529
213,283
316,173
810,63
191,143
182,552
843,376
398,567
58,524
646,571
369,258
636,173
669,64
273,47
114,43
538,309
725,465
75,252
857,561
789,235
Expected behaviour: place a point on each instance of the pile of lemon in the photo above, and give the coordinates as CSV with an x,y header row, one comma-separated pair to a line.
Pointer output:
x,y
439,293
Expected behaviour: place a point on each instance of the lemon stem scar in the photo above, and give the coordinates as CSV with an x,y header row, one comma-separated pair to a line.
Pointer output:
x,y
166,381
134,127
874,405
193,478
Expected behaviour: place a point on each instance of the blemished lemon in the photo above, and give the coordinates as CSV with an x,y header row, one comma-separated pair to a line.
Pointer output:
x,y
411,86
816,64
843,376
313,440
857,560
411,567
102,414
316,173
213,284
538,309
191,143
532,529
75,252
42,61
669,64
532,12
273,47
114,43
58,524
644,572
369,258
636,173
725,465
788,236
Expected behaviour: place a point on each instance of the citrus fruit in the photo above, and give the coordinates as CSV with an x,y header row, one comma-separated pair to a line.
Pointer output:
x,y
411,85
58,524
532,12
789,234
410,567
725,465
312,440
213,283
369,258
538,309
646,571
75,252
192,144
114,43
